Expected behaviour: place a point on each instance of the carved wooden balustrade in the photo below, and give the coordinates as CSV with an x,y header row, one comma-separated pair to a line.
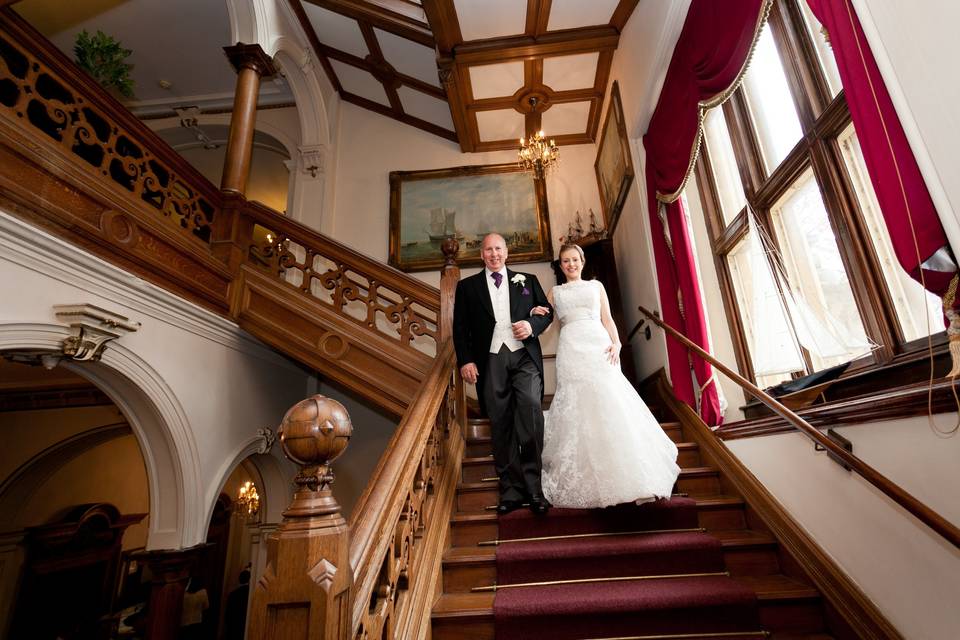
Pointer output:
x,y
398,528
370,326
74,161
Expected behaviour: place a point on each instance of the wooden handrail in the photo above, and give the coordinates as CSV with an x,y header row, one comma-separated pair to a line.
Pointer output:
x,y
387,497
919,510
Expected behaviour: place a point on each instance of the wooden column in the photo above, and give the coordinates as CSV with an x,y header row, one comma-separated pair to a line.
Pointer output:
x,y
252,63
305,589
170,571
449,277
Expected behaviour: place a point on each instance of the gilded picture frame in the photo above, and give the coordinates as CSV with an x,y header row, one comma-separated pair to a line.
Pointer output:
x,y
469,202
614,165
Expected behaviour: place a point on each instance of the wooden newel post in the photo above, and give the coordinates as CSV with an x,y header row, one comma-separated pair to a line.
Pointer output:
x,y
252,63
449,277
305,590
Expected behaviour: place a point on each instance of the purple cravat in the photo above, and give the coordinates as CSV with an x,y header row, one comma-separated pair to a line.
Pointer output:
x,y
497,278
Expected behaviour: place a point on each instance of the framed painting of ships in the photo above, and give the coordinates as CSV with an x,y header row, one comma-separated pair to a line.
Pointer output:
x,y
468,203
614,166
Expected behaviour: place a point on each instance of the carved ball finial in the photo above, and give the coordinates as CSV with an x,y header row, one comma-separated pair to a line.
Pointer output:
x,y
315,431
450,248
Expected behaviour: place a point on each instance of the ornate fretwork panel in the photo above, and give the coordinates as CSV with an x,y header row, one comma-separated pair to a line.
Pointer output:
x,y
336,281
35,96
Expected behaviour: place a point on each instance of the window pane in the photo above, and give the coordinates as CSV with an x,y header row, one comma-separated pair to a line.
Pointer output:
x,y
823,48
724,164
774,114
826,310
918,310
773,351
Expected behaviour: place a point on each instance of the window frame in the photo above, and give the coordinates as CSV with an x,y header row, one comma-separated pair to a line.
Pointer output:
x,y
823,118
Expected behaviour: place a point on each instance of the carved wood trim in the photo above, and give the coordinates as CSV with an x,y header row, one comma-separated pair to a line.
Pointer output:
x,y
398,525
82,395
842,593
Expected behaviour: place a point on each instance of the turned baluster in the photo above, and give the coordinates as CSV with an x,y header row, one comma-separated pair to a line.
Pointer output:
x,y
305,590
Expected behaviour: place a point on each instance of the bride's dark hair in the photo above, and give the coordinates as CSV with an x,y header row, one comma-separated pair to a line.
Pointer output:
x,y
567,246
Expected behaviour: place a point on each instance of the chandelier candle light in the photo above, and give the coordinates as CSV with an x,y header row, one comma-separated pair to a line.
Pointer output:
x,y
248,499
537,156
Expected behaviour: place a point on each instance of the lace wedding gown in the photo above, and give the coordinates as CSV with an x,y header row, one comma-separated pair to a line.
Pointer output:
x,y
602,446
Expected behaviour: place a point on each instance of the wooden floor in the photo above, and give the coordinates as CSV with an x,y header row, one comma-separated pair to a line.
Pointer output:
x,y
790,608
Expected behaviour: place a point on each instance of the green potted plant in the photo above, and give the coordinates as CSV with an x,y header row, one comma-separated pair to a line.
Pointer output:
x,y
104,58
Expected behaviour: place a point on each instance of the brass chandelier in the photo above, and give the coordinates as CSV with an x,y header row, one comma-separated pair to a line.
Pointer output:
x,y
535,154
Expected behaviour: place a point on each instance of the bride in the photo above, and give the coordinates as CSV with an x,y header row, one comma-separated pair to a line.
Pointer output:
x,y
602,446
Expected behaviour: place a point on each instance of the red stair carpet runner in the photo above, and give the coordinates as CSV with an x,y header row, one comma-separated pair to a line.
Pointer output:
x,y
655,539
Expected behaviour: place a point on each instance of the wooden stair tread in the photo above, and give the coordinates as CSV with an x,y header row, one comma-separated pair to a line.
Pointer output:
x,y
684,473
779,587
458,605
681,446
703,502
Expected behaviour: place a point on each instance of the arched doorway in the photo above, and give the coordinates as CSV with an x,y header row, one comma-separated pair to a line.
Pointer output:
x,y
74,499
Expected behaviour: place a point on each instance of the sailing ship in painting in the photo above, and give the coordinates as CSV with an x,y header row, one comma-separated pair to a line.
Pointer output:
x,y
443,224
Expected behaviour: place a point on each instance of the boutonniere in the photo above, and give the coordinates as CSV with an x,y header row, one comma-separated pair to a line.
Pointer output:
x,y
520,279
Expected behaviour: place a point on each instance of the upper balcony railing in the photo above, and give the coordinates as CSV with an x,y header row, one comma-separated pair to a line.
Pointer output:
x,y
46,93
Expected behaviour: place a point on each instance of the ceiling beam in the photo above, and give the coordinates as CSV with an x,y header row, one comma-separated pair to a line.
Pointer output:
x,y
622,13
382,18
442,16
568,41
402,117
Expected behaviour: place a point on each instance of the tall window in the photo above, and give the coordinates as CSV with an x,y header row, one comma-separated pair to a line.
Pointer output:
x,y
805,261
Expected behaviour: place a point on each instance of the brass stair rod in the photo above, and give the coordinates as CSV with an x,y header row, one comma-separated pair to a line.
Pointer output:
x,y
922,512
493,543
547,583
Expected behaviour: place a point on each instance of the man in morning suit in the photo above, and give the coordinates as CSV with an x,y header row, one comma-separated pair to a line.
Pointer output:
x,y
498,349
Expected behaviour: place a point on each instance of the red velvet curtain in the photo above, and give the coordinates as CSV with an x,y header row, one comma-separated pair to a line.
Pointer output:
x,y
709,56
908,210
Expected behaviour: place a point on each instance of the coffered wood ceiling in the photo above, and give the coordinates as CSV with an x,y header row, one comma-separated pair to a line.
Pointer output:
x,y
493,57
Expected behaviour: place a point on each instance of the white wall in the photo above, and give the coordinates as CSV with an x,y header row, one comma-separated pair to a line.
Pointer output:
x,y
917,48
208,379
911,573
371,146
639,66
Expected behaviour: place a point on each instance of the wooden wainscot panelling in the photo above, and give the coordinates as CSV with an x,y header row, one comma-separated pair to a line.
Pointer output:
x,y
845,602
369,364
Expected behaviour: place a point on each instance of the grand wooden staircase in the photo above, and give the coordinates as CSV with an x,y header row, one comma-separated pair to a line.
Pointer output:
x,y
789,605
74,162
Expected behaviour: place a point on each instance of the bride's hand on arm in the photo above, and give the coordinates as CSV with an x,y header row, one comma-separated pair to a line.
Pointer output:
x,y
539,311
613,351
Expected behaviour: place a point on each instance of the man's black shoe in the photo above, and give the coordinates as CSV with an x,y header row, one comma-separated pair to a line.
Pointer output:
x,y
507,506
539,505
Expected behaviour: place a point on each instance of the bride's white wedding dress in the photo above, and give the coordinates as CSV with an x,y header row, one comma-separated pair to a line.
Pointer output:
x,y
602,446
